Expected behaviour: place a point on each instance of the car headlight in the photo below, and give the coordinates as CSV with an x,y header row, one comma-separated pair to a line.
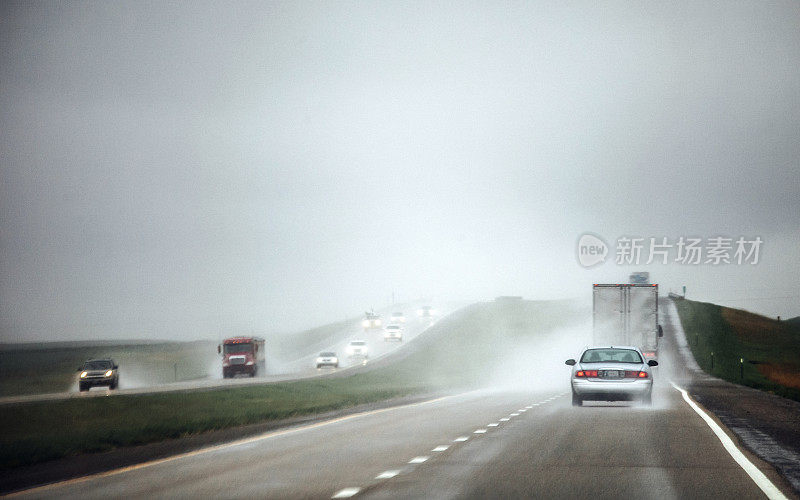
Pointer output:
x,y
109,373
249,363
365,322
83,374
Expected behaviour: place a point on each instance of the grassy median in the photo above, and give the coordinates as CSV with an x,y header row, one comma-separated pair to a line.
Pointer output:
x,y
458,352
743,347
38,432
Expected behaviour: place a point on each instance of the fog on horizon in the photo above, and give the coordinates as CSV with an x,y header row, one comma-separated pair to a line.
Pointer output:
x,y
198,170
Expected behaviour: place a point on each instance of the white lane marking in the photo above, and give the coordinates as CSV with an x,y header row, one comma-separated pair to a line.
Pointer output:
x,y
346,493
460,439
387,474
755,474
515,414
505,419
418,460
528,407
441,447
522,410
479,431
495,424
535,404
223,446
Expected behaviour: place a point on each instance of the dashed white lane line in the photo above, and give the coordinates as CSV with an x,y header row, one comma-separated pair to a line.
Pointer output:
x,y
387,474
758,477
441,447
505,419
346,493
515,414
529,407
479,431
494,424
522,410
418,460
460,439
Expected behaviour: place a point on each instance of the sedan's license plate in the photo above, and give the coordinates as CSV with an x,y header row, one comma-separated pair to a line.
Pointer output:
x,y
613,374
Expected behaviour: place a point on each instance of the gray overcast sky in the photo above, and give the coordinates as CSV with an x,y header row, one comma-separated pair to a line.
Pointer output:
x,y
193,170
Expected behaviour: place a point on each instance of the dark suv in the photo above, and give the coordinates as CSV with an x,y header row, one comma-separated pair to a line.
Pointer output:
x,y
98,372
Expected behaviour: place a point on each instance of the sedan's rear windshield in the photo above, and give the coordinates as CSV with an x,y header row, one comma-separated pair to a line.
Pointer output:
x,y
97,365
393,327
611,356
327,354
358,342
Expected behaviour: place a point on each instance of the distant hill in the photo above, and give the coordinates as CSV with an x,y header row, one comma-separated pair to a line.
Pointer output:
x,y
81,344
793,321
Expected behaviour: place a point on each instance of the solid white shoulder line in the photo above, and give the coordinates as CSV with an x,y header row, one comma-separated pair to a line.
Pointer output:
x,y
755,474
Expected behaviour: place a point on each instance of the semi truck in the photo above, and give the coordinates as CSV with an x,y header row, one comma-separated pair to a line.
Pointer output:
x,y
242,355
626,315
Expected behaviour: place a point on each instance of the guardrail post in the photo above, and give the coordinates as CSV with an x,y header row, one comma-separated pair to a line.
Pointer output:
x,y
712,360
741,368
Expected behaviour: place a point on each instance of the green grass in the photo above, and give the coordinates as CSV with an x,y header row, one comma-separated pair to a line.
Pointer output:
x,y
38,432
746,348
457,352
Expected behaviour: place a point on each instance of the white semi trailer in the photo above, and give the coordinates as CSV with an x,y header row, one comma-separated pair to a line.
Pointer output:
x,y
626,314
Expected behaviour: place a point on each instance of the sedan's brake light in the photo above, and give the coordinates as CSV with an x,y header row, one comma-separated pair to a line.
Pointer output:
x,y
642,374
586,373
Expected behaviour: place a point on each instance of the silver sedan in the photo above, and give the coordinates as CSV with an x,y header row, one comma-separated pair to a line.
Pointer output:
x,y
612,374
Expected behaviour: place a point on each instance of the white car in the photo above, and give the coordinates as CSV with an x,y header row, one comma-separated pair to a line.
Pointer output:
x,y
358,349
327,359
426,312
393,332
612,374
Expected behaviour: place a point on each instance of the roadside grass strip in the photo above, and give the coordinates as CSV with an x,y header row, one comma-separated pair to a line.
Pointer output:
x,y
762,481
